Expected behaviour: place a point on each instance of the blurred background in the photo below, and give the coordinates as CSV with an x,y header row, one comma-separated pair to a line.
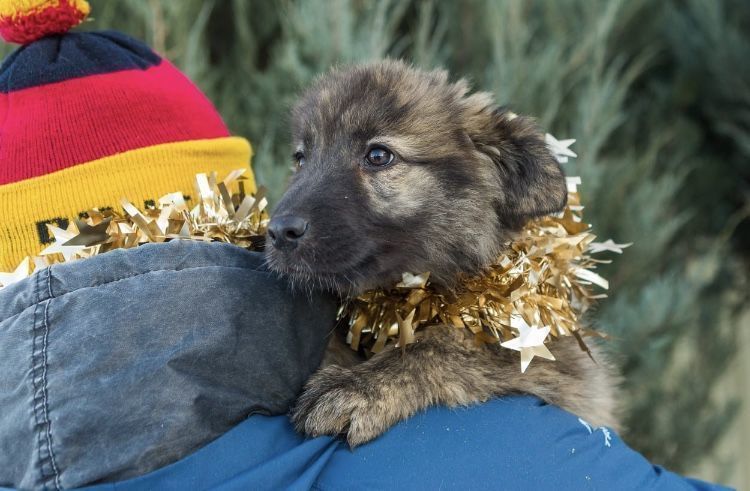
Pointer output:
x,y
657,92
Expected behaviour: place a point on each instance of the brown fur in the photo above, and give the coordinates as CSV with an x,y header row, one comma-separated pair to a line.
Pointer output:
x,y
446,367
465,177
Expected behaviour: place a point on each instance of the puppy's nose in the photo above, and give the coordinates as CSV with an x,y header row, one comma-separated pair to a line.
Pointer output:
x,y
286,230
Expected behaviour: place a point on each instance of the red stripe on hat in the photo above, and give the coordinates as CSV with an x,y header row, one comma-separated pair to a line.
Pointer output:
x,y
51,127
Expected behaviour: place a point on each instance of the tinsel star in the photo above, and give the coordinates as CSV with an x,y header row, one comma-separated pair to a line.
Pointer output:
x,y
560,148
530,342
607,245
89,235
409,280
21,272
61,237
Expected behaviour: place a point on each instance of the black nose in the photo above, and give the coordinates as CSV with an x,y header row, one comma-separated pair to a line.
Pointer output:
x,y
286,230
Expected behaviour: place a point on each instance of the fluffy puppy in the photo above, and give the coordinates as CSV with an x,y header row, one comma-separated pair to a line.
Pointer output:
x,y
399,170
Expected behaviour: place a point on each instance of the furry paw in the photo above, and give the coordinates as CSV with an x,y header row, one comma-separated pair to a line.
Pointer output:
x,y
337,401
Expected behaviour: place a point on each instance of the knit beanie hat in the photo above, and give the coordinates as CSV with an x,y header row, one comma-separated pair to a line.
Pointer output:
x,y
92,117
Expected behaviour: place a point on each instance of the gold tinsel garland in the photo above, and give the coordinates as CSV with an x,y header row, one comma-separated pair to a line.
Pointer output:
x,y
536,290
544,279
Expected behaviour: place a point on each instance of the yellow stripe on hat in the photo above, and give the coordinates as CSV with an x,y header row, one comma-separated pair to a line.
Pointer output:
x,y
10,8
139,175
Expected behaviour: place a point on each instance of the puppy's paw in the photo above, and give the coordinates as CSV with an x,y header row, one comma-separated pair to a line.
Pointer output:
x,y
338,401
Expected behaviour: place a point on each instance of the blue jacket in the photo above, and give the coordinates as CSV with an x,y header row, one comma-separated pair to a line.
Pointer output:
x,y
138,369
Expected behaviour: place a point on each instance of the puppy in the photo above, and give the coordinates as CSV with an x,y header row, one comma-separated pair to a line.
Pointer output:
x,y
400,170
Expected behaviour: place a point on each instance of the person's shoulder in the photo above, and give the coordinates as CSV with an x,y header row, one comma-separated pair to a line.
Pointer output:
x,y
512,442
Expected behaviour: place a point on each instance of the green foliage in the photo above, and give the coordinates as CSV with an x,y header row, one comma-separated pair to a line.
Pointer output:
x,y
655,91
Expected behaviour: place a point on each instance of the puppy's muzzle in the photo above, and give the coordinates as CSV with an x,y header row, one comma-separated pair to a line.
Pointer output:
x,y
286,231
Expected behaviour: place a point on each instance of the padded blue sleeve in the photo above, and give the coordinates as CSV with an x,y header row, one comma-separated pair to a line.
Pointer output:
x,y
509,443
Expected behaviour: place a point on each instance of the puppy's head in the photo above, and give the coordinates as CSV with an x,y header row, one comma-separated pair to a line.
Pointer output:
x,y
400,170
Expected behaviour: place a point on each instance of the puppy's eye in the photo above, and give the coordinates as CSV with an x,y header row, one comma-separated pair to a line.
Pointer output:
x,y
379,157
299,157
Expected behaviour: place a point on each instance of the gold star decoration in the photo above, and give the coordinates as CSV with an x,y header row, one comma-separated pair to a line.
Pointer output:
x,y
61,237
90,235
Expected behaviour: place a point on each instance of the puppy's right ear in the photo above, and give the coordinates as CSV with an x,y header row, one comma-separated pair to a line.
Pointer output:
x,y
531,180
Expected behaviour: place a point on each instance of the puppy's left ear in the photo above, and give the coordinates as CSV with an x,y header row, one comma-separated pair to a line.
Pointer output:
x,y
532,182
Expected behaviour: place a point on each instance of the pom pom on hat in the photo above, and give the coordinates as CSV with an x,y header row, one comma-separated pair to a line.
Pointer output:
x,y
25,21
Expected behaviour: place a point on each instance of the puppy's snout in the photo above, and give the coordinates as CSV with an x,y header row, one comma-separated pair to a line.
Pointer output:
x,y
286,230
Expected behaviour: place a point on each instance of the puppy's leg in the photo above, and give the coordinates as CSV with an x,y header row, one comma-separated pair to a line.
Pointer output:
x,y
446,367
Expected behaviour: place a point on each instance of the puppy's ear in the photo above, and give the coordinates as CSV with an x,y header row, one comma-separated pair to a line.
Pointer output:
x,y
531,180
